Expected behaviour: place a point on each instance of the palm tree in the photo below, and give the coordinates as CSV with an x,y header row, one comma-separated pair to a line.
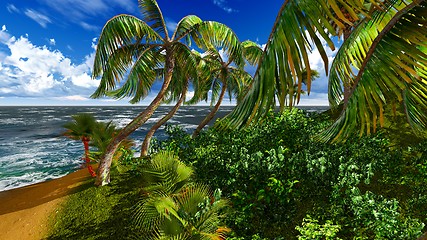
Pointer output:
x,y
382,61
81,128
174,207
133,49
102,135
130,48
177,93
178,89
221,75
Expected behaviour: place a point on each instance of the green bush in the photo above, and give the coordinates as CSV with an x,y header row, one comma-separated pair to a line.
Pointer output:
x,y
275,175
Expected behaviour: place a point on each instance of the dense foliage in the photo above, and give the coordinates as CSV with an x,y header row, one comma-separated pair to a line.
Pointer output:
x,y
284,185
173,206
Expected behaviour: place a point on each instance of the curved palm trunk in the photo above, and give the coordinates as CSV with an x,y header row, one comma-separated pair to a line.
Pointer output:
x,y
209,117
146,143
103,174
85,141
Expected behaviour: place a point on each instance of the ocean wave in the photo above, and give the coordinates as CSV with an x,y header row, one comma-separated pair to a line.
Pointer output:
x,y
32,151
28,179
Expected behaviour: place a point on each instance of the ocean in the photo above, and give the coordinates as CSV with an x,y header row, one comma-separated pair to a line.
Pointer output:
x,y
32,148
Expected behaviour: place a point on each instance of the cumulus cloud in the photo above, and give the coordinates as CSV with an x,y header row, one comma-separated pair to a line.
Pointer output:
x,y
33,71
4,36
189,95
223,5
320,85
52,42
41,19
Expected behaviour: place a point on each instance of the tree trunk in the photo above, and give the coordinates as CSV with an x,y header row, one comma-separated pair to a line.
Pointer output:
x,y
146,143
209,117
103,176
85,141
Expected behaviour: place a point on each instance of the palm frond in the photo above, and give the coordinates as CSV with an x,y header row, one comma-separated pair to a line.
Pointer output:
x,y
215,35
391,70
166,173
140,78
118,65
190,211
352,53
82,125
252,52
152,14
186,26
299,27
119,31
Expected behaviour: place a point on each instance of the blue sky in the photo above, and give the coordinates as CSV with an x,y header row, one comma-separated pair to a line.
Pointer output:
x,y
47,46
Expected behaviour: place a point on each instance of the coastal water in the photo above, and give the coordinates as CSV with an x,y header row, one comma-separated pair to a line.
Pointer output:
x,y
33,150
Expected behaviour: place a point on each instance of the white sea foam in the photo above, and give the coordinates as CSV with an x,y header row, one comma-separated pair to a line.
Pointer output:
x,y
27,179
12,121
29,153
153,119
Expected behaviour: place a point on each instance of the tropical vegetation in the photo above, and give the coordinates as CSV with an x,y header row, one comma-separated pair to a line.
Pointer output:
x,y
382,61
309,179
289,187
220,73
91,132
82,128
134,50
175,207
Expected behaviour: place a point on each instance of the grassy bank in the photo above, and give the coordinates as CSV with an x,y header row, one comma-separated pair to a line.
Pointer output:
x,y
98,213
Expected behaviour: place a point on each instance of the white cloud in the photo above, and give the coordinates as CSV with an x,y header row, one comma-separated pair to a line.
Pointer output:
x,y
36,71
4,36
52,42
263,46
314,99
89,27
40,83
73,98
11,8
316,63
189,95
41,19
84,80
81,12
223,5
5,90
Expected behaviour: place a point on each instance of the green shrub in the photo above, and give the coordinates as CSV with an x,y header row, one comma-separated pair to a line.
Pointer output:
x,y
312,230
275,175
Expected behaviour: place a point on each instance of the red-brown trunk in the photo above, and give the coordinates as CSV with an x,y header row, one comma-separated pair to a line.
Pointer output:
x,y
85,141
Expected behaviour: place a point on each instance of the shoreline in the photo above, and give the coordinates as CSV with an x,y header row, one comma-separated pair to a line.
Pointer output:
x,y
25,211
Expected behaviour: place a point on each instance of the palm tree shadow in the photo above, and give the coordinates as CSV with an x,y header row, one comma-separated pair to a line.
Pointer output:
x,y
118,224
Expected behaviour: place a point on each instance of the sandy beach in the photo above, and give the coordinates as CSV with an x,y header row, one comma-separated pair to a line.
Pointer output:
x,y
25,212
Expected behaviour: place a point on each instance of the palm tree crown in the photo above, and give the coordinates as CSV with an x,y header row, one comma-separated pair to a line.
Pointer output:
x,y
382,61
